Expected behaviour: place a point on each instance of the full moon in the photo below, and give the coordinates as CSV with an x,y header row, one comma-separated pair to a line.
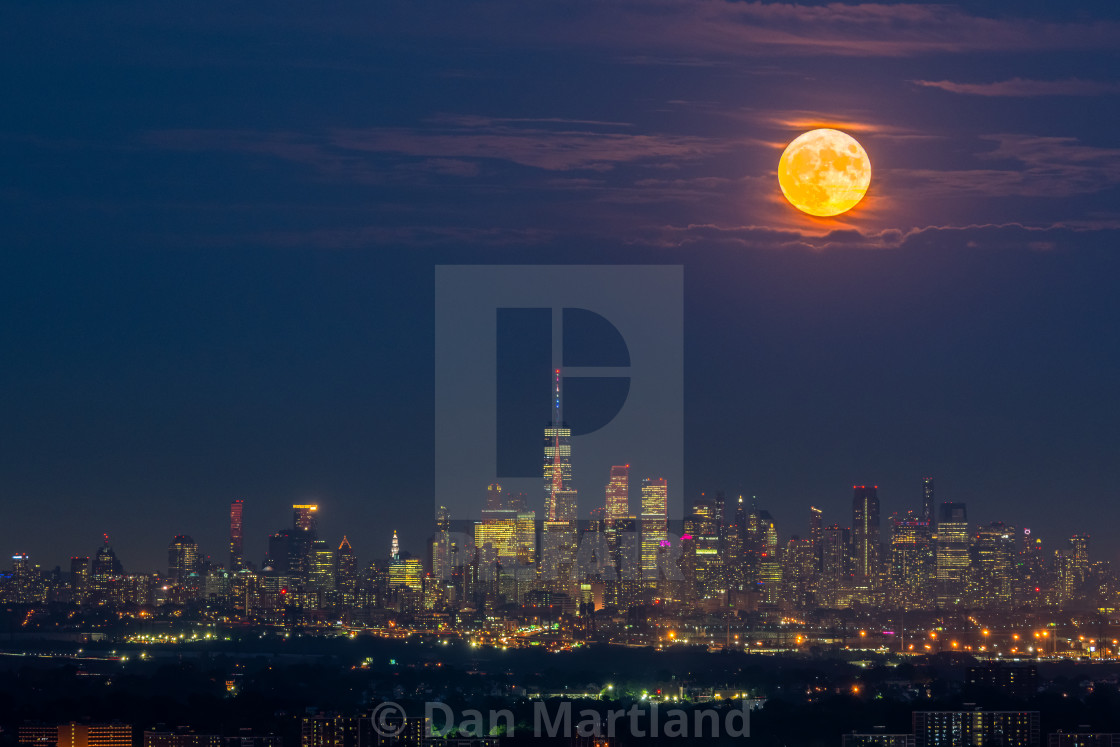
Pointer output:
x,y
824,172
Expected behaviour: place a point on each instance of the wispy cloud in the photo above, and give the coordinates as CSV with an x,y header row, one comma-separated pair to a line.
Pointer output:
x,y
566,147
1023,87
689,32
1001,235
1036,167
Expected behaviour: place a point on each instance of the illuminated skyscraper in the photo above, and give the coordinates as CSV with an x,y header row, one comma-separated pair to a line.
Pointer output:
x,y
834,558
993,565
927,501
494,499
704,529
303,517
618,493
236,557
321,571
732,550
952,553
910,564
655,525
395,548
1074,571
496,535
816,535
441,545
560,496
769,559
346,574
799,570
79,579
182,558
865,534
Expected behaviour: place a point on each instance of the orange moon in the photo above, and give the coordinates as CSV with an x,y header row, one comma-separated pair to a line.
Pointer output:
x,y
824,172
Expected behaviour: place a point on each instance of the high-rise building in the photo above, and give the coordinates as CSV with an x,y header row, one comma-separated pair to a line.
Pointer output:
x,y
911,565
834,558
496,536
993,558
733,547
798,571
332,730
321,570
952,553
236,554
395,548
928,506
441,545
618,493
1074,566
769,559
705,531
560,496
655,526
303,517
952,728
79,579
865,534
182,558
346,573
106,575
816,533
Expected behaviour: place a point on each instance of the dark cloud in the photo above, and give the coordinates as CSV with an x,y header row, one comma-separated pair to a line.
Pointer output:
x,y
1025,87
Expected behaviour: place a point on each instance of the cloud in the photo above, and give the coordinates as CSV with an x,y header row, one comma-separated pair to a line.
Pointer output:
x,y
1039,167
341,152
1002,235
364,237
1024,87
688,32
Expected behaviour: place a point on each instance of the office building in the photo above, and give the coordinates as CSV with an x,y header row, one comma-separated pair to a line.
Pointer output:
x,y
865,535
236,544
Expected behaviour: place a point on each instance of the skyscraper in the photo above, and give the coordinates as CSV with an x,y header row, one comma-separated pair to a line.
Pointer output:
x,y
618,493
816,534
655,525
560,496
441,545
79,579
993,564
910,563
733,547
865,534
927,501
705,533
346,574
494,499
182,558
952,553
236,556
834,557
303,517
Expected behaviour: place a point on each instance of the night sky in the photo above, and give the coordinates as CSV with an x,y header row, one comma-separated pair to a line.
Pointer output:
x,y
220,228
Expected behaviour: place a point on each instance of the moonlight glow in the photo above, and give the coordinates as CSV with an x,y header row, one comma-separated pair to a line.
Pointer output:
x,y
824,172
